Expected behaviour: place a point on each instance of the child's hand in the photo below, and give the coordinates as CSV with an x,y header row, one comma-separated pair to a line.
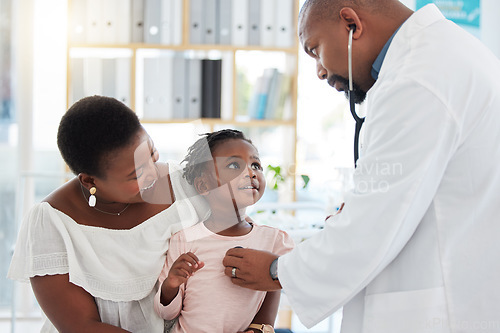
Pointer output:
x,y
185,266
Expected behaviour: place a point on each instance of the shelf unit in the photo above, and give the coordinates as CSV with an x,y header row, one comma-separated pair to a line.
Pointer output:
x,y
231,52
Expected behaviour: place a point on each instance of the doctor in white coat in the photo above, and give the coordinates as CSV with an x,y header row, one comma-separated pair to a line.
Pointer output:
x,y
416,247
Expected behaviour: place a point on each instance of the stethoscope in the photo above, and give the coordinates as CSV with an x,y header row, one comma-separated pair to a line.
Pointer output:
x,y
359,121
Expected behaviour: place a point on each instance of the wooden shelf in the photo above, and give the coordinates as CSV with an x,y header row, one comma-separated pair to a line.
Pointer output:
x,y
232,51
185,47
214,121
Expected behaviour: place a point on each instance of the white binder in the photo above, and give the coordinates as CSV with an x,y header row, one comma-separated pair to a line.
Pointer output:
x,y
78,21
108,21
166,22
177,10
92,73
109,77
193,76
284,23
225,18
165,85
94,24
210,25
122,9
179,86
157,82
151,84
77,79
196,29
240,23
122,80
254,21
267,23
152,21
115,21
137,21
226,106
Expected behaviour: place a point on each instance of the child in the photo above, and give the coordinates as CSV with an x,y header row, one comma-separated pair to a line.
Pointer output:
x,y
224,167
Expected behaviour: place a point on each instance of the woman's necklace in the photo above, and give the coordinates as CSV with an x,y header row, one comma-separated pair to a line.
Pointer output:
x,y
102,211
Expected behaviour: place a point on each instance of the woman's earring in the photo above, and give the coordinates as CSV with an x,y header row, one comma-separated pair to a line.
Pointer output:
x,y
92,199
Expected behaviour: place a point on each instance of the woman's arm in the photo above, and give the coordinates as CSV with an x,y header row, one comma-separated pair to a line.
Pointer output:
x,y
69,307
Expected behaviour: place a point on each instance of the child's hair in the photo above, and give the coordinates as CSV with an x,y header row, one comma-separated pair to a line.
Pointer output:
x,y
198,154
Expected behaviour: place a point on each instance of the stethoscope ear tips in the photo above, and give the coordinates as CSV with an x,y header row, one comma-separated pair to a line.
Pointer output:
x,y
352,27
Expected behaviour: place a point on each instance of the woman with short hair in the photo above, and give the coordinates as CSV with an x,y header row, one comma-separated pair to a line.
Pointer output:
x,y
94,248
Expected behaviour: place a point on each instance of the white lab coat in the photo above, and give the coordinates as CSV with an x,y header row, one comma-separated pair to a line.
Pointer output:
x,y
417,245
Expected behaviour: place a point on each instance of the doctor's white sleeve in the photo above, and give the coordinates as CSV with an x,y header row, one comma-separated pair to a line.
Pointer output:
x,y
409,137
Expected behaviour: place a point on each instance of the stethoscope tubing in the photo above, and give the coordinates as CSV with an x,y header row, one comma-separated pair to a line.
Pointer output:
x,y
359,120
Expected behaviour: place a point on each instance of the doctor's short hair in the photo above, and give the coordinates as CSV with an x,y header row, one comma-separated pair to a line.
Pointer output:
x,y
201,151
92,128
329,9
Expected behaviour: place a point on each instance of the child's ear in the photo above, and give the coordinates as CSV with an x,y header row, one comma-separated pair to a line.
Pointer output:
x,y
201,185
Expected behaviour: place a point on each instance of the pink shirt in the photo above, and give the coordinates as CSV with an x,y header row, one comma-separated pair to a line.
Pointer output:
x,y
209,301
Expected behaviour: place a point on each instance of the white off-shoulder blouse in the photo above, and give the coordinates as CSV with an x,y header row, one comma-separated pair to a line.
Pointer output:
x,y
119,268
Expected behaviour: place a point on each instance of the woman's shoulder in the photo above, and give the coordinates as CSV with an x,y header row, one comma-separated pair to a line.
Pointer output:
x,y
63,198
43,212
42,219
36,215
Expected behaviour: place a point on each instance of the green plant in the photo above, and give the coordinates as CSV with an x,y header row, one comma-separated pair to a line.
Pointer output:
x,y
277,177
306,180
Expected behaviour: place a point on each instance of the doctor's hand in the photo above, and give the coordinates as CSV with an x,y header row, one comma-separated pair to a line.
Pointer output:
x,y
251,268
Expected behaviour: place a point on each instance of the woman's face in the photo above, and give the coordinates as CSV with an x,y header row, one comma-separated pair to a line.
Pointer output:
x,y
129,171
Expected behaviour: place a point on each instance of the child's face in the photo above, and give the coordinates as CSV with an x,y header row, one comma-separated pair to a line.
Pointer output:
x,y
238,165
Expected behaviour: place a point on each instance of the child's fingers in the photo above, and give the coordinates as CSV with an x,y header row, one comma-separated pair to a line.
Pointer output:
x,y
184,267
187,266
192,259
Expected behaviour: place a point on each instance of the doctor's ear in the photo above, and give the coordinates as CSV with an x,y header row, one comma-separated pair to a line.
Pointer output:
x,y
351,21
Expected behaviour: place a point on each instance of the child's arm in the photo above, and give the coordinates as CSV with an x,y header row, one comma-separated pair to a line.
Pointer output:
x,y
267,312
269,309
167,305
